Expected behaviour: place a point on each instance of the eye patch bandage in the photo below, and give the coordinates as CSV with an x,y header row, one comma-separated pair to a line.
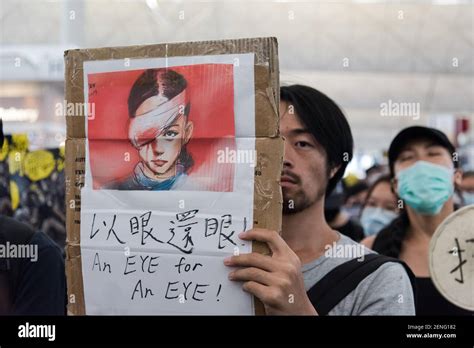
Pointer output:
x,y
148,126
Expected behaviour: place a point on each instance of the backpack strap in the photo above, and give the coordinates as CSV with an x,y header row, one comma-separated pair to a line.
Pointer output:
x,y
343,279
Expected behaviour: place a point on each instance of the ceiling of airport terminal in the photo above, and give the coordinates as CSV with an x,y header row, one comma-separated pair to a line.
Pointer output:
x,y
361,52
414,36
404,36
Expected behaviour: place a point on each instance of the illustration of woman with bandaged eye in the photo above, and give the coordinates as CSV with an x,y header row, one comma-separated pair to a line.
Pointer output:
x,y
159,129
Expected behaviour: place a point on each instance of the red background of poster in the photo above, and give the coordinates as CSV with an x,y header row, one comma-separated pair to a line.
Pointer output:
x,y
211,90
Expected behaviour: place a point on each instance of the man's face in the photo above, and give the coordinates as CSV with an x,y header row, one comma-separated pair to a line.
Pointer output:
x,y
305,176
161,153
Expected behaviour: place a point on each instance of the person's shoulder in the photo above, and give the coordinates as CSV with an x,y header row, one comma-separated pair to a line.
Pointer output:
x,y
47,248
8,223
390,270
14,231
390,277
43,239
387,291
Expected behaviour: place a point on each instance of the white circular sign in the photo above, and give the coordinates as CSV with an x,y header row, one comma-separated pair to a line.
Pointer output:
x,y
452,258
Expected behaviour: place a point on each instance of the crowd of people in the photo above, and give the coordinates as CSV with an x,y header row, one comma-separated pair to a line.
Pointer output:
x,y
368,205
399,211
393,212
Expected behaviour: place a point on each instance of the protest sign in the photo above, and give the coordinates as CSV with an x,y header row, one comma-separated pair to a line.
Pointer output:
x,y
173,150
451,258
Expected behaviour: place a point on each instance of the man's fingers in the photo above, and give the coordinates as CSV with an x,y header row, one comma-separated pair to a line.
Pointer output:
x,y
251,260
272,238
252,274
262,292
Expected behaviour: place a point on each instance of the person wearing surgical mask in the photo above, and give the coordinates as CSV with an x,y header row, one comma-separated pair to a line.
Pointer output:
x,y
380,207
467,188
424,174
355,197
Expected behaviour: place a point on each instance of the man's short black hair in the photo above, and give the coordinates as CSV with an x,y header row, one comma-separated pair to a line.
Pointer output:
x,y
326,122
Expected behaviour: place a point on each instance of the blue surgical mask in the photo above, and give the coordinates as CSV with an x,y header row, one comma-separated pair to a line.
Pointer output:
x,y
374,219
425,187
468,198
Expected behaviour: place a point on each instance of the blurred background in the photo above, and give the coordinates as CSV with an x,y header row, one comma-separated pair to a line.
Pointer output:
x,y
362,53
367,55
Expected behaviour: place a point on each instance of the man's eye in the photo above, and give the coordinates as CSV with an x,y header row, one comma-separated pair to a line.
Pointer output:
x,y
302,144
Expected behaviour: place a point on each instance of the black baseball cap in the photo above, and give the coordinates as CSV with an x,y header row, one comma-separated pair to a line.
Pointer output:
x,y
417,132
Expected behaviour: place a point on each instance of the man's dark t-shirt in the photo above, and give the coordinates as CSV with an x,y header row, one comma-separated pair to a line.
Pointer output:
x,y
41,284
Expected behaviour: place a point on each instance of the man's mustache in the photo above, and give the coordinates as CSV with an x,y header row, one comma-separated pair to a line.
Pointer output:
x,y
293,177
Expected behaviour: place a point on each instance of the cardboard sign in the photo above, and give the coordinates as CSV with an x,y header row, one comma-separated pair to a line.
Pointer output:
x,y
172,150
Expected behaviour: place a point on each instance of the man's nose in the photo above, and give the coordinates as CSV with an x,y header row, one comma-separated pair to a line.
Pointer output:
x,y
288,155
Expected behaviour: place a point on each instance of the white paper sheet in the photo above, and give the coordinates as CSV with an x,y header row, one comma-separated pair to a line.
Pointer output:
x,y
161,252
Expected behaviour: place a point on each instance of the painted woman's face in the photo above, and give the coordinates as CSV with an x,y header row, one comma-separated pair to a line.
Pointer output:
x,y
161,153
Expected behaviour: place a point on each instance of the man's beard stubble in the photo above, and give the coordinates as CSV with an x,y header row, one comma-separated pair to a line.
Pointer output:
x,y
299,200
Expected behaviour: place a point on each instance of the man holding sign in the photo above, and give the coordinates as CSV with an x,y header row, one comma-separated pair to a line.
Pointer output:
x,y
318,147
152,221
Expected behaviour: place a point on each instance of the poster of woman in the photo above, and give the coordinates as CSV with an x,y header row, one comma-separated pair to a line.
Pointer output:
x,y
161,129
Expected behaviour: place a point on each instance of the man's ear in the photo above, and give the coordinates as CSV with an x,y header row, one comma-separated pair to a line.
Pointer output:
x,y
188,133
